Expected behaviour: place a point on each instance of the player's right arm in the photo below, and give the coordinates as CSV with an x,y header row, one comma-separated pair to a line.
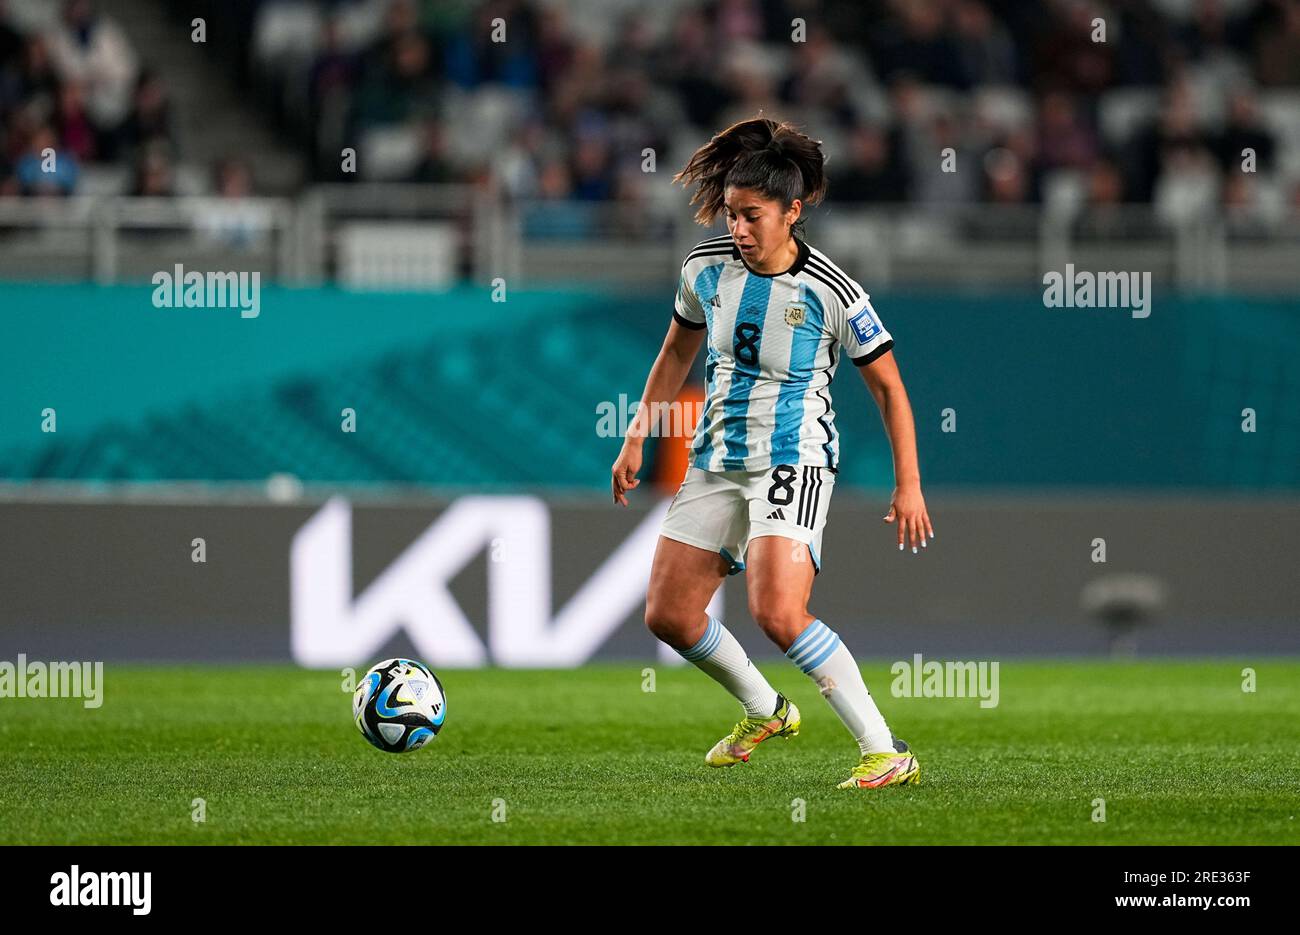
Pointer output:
x,y
667,377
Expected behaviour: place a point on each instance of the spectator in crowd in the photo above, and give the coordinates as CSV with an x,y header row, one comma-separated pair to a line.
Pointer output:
x,y
555,45
1175,132
473,58
434,166
1104,217
72,124
737,21
1246,211
1065,54
592,172
1244,131
1212,38
915,39
234,220
873,170
943,179
561,216
91,48
1188,186
1006,177
45,168
154,176
688,65
1277,52
334,73
518,164
819,79
150,117
1105,184
399,87
1144,48
11,40
985,54
1065,139
30,80
232,178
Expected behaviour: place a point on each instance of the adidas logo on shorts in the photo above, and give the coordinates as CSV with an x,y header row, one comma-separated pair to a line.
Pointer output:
x,y
776,514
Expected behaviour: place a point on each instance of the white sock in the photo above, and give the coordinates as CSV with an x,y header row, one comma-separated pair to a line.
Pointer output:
x,y
819,652
721,658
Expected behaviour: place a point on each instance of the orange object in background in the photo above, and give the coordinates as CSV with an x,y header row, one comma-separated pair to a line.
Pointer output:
x,y
673,451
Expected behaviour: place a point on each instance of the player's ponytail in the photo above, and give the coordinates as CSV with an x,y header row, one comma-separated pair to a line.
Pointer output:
x,y
769,157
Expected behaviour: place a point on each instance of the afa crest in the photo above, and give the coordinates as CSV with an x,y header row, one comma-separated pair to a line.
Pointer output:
x,y
795,314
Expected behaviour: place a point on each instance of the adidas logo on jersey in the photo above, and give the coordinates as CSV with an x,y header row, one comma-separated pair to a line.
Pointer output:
x,y
776,514
715,301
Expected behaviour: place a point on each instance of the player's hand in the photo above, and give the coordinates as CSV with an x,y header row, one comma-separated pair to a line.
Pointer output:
x,y
907,509
623,474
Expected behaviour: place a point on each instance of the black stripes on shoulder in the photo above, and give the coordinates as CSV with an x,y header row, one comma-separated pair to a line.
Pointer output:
x,y
714,247
833,278
825,263
687,323
700,254
868,358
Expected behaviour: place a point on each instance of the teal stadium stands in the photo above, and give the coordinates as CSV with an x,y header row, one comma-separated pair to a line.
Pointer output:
x,y
453,390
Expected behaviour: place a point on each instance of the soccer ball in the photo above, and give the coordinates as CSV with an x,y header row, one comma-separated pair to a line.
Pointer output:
x,y
399,705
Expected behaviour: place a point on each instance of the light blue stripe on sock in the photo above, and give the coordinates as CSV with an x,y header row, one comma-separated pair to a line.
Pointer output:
x,y
813,649
816,634
811,631
707,643
814,646
826,653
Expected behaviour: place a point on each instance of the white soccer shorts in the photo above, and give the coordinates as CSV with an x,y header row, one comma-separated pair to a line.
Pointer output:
x,y
723,511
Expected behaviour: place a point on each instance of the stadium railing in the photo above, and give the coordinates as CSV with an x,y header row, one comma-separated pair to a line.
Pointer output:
x,y
320,235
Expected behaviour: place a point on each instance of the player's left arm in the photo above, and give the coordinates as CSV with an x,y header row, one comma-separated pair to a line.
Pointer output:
x,y
907,506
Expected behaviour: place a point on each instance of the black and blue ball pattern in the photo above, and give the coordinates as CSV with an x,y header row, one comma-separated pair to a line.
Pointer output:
x,y
399,705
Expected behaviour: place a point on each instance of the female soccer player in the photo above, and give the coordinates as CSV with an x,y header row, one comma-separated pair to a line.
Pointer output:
x,y
763,460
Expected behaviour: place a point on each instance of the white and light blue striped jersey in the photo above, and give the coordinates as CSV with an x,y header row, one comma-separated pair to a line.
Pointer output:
x,y
772,351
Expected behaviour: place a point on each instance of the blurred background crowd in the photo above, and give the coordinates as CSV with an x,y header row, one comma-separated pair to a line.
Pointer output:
x,y
1162,111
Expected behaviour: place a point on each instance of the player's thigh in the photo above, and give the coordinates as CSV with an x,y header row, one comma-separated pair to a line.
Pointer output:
x,y
683,579
780,580
788,506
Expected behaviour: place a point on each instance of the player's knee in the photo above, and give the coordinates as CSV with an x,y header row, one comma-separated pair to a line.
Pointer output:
x,y
665,622
781,623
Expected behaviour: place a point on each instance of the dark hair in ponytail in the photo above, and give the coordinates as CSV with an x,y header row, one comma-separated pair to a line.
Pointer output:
x,y
769,157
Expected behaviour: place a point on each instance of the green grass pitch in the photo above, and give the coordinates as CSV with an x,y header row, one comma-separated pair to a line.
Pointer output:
x,y
1177,750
